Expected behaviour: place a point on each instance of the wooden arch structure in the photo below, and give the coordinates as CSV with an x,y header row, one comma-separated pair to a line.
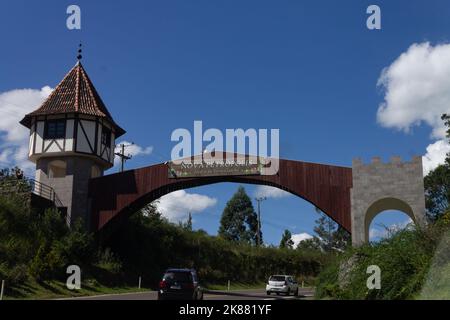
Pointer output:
x,y
115,197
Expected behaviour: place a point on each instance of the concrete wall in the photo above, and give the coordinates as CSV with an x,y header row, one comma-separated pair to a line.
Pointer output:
x,y
382,186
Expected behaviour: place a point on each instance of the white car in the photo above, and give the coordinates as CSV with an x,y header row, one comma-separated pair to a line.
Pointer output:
x,y
282,284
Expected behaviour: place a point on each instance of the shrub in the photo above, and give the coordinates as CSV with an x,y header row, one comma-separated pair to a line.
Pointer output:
x,y
404,260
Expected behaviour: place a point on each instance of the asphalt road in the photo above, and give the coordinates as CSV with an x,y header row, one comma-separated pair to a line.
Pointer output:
x,y
250,294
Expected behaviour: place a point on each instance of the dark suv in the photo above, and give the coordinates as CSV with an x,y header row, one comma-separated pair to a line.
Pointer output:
x,y
180,284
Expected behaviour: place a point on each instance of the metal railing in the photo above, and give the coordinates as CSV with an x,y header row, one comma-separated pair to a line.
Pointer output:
x,y
44,191
30,185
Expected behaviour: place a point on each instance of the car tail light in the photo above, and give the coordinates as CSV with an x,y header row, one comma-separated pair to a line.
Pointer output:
x,y
162,284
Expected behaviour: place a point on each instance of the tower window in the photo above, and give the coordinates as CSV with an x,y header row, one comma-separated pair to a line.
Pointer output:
x,y
106,136
55,129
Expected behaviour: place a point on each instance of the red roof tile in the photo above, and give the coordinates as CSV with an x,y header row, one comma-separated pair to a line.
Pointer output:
x,y
74,94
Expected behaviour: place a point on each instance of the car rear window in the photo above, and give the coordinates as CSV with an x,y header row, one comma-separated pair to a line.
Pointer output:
x,y
178,276
277,278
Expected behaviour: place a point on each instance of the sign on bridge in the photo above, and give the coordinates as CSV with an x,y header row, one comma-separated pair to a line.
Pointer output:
x,y
209,168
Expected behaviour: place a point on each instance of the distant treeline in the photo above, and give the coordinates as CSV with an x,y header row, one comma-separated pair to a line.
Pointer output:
x,y
147,245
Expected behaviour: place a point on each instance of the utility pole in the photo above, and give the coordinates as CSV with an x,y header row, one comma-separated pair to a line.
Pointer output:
x,y
122,155
259,200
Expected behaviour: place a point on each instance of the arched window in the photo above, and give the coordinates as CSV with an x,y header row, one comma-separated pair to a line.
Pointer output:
x,y
57,169
95,171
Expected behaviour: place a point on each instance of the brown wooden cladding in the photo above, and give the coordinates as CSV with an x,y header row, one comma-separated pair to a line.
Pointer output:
x,y
116,196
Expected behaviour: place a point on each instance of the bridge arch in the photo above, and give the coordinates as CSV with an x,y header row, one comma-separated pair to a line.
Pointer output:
x,y
115,197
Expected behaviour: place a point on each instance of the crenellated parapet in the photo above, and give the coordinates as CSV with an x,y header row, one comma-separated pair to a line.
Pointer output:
x,y
415,162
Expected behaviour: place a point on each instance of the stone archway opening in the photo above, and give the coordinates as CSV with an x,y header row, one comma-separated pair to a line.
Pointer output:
x,y
384,207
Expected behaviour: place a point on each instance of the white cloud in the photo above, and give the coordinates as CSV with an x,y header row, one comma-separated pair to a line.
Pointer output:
x,y
417,88
377,233
132,149
176,205
270,192
435,155
297,238
417,91
385,232
14,104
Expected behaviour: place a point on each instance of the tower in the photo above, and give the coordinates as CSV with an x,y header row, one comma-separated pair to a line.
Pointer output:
x,y
72,139
378,186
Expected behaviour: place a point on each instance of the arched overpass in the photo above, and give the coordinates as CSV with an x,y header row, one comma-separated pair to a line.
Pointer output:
x,y
115,197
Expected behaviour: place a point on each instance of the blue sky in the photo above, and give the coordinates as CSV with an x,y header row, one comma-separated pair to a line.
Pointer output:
x,y
309,68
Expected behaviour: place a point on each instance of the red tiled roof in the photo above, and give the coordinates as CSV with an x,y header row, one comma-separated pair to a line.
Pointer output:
x,y
74,94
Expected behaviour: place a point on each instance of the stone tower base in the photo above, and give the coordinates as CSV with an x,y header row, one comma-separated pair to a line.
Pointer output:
x,y
72,188
381,186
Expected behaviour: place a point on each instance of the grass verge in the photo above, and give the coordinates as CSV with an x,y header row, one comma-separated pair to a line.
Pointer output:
x,y
32,290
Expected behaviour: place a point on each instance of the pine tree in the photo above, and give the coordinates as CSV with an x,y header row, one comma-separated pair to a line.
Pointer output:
x,y
286,240
239,221
329,236
188,225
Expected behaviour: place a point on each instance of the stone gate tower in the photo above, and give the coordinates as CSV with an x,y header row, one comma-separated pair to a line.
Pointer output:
x,y
379,186
72,139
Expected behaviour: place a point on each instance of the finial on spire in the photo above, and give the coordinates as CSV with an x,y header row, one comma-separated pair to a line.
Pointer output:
x,y
79,56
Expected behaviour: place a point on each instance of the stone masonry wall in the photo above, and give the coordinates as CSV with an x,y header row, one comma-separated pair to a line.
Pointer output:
x,y
379,186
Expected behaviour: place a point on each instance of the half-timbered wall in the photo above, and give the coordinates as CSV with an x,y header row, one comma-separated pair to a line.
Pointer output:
x,y
83,134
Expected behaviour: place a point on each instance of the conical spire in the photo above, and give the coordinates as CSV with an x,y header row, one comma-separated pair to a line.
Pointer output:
x,y
74,94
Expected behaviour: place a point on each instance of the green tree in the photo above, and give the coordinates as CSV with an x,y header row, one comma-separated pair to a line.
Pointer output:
x,y
188,225
329,236
308,244
239,222
286,240
151,210
437,184
437,191
324,229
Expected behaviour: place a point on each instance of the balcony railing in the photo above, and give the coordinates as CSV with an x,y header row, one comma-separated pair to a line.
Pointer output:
x,y
29,185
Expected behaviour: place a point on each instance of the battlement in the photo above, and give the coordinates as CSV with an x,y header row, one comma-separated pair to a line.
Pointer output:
x,y
416,162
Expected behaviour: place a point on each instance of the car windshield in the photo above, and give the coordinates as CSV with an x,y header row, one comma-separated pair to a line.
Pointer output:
x,y
277,278
178,276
